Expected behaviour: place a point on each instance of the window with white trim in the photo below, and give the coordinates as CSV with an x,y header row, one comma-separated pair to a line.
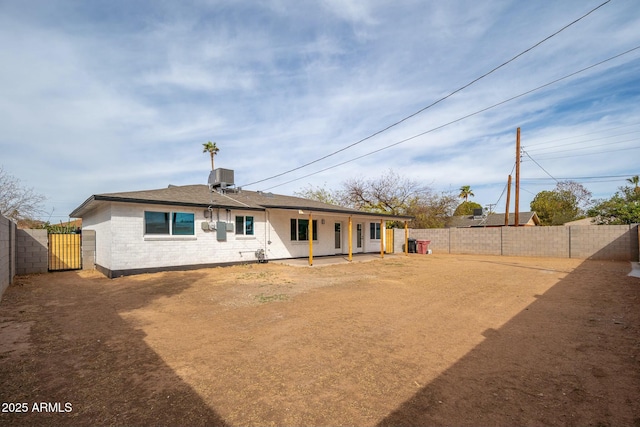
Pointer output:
x,y
244,225
300,230
374,231
169,223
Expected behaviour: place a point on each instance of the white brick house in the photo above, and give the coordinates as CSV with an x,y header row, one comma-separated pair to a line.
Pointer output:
x,y
184,227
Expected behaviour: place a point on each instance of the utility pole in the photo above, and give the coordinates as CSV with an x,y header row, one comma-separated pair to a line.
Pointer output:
x,y
517,212
491,205
506,211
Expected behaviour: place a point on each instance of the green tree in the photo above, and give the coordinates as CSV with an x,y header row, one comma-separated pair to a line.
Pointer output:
x,y
635,180
567,202
465,192
622,208
555,207
466,208
212,149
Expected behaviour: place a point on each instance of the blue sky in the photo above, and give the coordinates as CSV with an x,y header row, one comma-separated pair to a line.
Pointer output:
x,y
108,96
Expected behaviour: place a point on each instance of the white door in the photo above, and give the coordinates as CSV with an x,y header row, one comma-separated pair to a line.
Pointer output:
x,y
359,237
338,237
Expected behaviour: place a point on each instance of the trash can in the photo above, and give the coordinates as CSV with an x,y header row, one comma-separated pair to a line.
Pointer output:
x,y
423,246
412,246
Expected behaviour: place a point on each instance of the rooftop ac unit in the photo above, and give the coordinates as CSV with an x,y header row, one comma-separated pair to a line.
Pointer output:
x,y
221,177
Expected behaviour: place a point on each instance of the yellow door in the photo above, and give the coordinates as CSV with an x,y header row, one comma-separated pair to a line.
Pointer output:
x,y
388,240
64,252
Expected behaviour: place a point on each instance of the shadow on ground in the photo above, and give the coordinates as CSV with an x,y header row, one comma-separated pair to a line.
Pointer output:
x,y
83,374
521,375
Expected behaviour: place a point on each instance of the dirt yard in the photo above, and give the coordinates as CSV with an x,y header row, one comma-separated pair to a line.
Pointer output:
x,y
418,340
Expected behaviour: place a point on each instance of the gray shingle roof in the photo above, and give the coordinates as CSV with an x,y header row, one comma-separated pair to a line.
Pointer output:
x,y
492,220
200,196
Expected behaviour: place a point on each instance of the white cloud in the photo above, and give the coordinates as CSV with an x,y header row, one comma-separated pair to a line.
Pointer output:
x,y
98,100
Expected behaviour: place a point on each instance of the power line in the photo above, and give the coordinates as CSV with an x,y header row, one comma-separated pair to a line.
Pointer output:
x,y
584,134
580,178
505,186
433,103
456,120
540,166
583,141
590,154
588,147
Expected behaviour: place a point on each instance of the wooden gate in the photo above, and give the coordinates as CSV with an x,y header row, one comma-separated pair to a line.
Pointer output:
x,y
65,252
388,239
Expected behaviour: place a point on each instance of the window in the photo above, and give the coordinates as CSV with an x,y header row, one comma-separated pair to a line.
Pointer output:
x,y
156,223
182,224
171,224
300,229
374,231
244,225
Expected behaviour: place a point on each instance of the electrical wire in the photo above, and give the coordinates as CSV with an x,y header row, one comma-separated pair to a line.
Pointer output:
x,y
588,147
580,178
583,141
433,103
456,120
590,154
505,186
540,166
579,136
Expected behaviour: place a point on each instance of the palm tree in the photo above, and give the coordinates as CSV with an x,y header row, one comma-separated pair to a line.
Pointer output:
x,y
465,192
211,148
635,180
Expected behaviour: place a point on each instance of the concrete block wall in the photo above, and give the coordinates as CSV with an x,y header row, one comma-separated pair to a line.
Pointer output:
x,y
481,241
31,252
439,238
612,242
607,242
536,241
7,253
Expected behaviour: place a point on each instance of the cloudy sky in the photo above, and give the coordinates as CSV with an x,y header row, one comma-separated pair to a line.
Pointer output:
x,y
108,96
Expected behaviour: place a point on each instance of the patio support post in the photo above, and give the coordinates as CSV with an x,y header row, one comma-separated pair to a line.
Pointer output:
x,y
310,239
350,239
382,236
406,238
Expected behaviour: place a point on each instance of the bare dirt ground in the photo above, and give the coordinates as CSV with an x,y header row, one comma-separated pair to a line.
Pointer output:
x,y
418,340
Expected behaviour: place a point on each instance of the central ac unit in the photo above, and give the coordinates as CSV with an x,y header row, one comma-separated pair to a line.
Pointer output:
x,y
221,177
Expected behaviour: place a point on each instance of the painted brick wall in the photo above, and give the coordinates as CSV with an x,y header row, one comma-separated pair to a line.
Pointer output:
x,y
7,253
99,223
610,242
31,252
131,249
281,246
88,250
120,243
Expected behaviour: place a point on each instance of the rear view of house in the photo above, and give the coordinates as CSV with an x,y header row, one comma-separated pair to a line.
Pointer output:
x,y
194,226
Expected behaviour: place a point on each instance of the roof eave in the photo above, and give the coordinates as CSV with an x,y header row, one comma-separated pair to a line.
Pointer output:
x,y
84,207
340,211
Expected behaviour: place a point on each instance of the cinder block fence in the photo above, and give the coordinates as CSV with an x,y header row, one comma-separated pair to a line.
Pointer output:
x,y
27,252
7,253
32,252
606,242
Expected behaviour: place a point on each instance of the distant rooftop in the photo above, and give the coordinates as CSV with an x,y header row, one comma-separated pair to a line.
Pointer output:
x,y
493,220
